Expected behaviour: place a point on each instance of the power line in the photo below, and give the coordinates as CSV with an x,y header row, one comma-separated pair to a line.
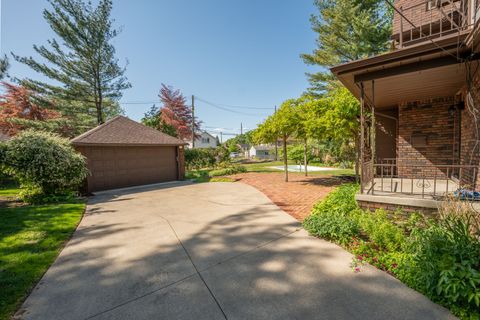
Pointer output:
x,y
227,109
236,107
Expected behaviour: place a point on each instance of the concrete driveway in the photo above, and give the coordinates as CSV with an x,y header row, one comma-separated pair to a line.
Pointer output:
x,y
209,251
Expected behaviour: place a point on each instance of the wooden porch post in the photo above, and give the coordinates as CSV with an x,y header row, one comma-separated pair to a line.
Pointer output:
x,y
373,133
362,135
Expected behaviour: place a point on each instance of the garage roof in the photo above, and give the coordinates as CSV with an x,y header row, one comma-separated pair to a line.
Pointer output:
x,y
123,131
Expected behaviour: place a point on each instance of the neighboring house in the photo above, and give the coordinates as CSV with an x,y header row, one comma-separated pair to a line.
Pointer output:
x,y
423,99
124,153
204,140
262,152
245,149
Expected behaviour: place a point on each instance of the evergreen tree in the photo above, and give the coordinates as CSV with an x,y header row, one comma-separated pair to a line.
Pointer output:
x,y
347,30
84,62
3,67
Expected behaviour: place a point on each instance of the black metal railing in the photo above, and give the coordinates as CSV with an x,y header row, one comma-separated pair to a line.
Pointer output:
x,y
432,181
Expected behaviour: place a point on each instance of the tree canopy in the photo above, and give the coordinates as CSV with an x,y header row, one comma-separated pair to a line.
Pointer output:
x,y
174,117
3,67
83,62
347,30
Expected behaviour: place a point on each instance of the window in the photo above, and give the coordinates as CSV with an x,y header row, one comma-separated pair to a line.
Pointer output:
x,y
205,140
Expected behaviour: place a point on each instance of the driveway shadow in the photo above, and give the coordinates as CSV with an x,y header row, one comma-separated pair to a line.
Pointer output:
x,y
147,257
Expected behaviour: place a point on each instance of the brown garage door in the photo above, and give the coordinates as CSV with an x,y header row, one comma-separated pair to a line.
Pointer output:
x,y
118,167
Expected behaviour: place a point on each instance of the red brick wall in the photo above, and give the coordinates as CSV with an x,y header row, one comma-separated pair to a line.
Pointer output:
x,y
425,130
419,15
372,206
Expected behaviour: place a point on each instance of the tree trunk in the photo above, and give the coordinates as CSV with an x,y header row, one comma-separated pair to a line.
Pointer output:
x,y
305,162
285,160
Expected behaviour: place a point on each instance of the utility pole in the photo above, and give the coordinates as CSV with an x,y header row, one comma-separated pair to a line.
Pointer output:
x,y
276,142
221,137
193,121
241,128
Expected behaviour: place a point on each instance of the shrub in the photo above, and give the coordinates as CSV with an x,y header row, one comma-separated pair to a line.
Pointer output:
x,y
446,262
332,218
206,158
44,163
227,171
380,230
438,258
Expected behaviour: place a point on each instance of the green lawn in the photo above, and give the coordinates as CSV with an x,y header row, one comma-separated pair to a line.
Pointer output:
x,y
265,167
202,175
9,190
31,237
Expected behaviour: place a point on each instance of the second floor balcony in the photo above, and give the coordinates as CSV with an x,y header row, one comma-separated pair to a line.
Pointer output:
x,y
419,21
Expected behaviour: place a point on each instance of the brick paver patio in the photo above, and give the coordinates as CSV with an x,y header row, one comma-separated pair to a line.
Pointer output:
x,y
296,197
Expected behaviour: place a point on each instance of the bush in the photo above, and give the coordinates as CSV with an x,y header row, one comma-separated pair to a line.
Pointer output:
x,y
227,171
332,218
439,258
206,158
446,262
44,163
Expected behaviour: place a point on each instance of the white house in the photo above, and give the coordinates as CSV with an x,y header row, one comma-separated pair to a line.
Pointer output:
x,y
204,140
262,152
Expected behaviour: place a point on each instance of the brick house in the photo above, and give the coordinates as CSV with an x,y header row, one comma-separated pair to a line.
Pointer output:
x,y
423,99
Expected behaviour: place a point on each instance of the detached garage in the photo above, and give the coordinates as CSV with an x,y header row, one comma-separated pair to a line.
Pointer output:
x,y
124,153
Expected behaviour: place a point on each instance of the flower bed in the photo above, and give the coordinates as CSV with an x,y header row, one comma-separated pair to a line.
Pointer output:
x,y
440,258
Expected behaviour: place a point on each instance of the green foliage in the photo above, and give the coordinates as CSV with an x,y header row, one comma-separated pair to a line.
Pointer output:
x,y
83,63
380,230
206,158
296,153
438,258
3,67
44,163
347,30
446,262
152,119
332,218
227,171
241,139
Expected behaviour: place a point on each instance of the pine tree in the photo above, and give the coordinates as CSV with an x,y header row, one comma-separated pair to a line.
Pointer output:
x,y
176,113
347,30
84,61
3,67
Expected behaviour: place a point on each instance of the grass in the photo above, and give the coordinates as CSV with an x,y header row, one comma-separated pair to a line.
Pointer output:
x,y
31,237
9,190
265,167
203,174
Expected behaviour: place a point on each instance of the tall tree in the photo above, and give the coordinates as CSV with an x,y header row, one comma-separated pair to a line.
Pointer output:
x,y
347,30
176,113
152,119
84,62
334,117
3,67
283,123
19,110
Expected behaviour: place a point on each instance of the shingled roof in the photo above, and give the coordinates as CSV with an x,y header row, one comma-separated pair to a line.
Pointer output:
x,y
123,131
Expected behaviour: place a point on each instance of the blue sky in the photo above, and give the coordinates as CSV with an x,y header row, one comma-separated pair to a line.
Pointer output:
x,y
239,53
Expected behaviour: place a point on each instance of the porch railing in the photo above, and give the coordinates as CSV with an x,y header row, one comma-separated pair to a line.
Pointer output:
x,y
433,19
425,181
